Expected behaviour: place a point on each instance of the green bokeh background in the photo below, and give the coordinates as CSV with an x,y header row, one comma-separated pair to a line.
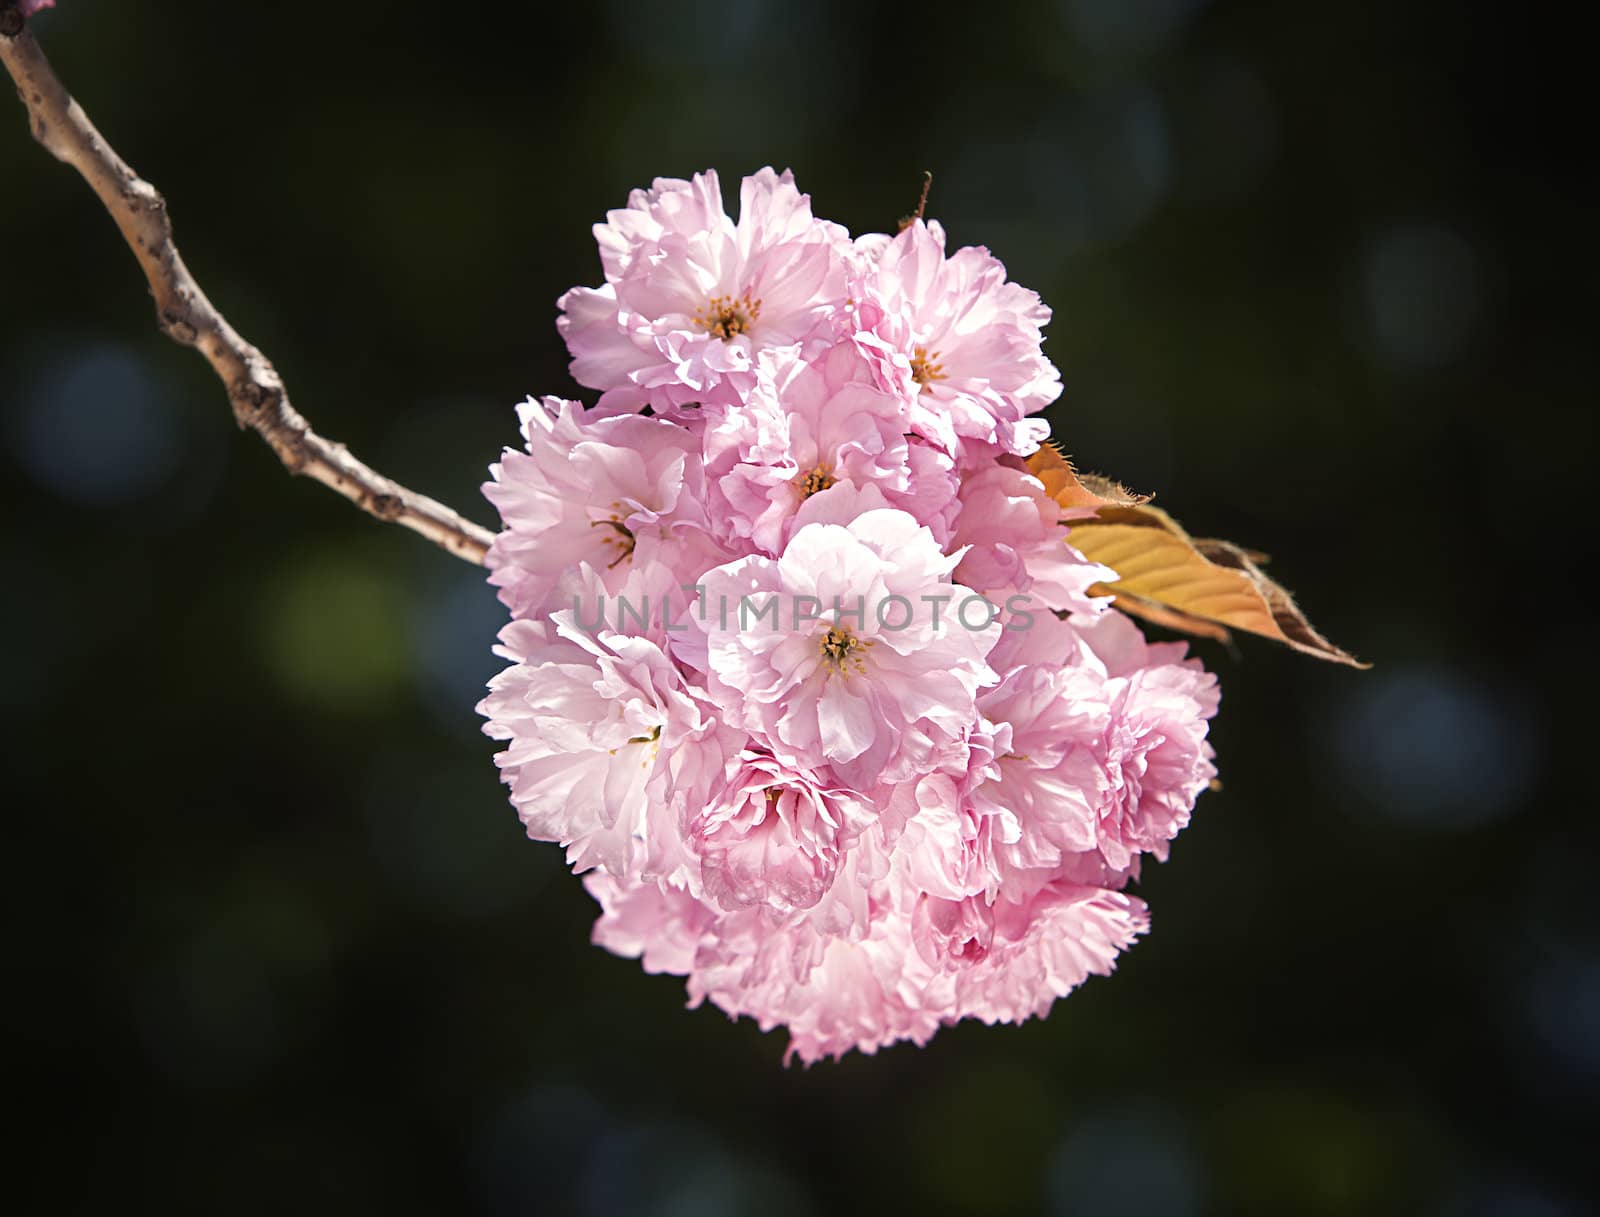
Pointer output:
x,y
1323,279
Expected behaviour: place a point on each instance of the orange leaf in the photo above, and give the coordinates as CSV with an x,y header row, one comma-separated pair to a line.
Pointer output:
x,y
1080,493
1197,585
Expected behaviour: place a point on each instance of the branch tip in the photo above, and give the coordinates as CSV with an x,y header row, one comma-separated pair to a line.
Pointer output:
x,y
187,316
922,203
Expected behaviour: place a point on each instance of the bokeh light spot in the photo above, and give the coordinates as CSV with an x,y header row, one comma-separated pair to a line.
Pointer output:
x,y
453,626
97,426
1424,294
1435,747
333,632
1118,28
1563,1006
691,34
1100,169
659,1170
1132,1162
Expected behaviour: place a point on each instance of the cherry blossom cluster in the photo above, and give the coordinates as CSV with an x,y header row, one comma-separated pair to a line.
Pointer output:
x,y
804,671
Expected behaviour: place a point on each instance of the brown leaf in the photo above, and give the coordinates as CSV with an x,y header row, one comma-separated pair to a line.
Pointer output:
x,y
1080,493
1170,618
1196,585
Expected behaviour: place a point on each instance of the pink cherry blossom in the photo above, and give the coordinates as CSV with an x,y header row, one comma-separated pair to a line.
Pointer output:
x,y
607,745
867,664
808,428
833,996
1154,753
774,837
804,671
1045,946
955,337
691,297
609,491
1049,782
1017,543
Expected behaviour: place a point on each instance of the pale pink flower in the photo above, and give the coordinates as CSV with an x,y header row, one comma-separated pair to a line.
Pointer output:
x,y
1018,545
1048,782
607,745
691,297
659,925
30,7
996,953
1043,947
943,850
774,837
608,491
833,996
1154,754
873,660
954,337
809,428
834,992
653,601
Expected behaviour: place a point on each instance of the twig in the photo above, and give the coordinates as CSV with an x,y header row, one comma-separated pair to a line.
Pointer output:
x,y
186,316
922,202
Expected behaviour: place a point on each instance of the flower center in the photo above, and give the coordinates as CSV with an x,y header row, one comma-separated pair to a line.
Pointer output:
x,y
725,316
925,367
819,479
620,536
653,740
840,647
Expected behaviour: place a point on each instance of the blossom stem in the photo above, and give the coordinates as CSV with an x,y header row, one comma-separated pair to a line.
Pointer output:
x,y
185,315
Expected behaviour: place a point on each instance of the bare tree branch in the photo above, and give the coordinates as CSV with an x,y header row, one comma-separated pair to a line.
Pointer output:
x,y
186,316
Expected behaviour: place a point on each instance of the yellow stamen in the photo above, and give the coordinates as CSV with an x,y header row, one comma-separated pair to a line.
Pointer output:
x,y
925,368
725,316
819,479
622,538
841,648
653,740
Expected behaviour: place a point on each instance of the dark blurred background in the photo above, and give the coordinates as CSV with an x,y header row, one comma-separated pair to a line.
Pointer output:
x,y
1323,278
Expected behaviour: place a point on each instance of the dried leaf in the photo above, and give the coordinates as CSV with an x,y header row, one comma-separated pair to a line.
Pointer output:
x,y
1197,585
1080,493
1170,618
